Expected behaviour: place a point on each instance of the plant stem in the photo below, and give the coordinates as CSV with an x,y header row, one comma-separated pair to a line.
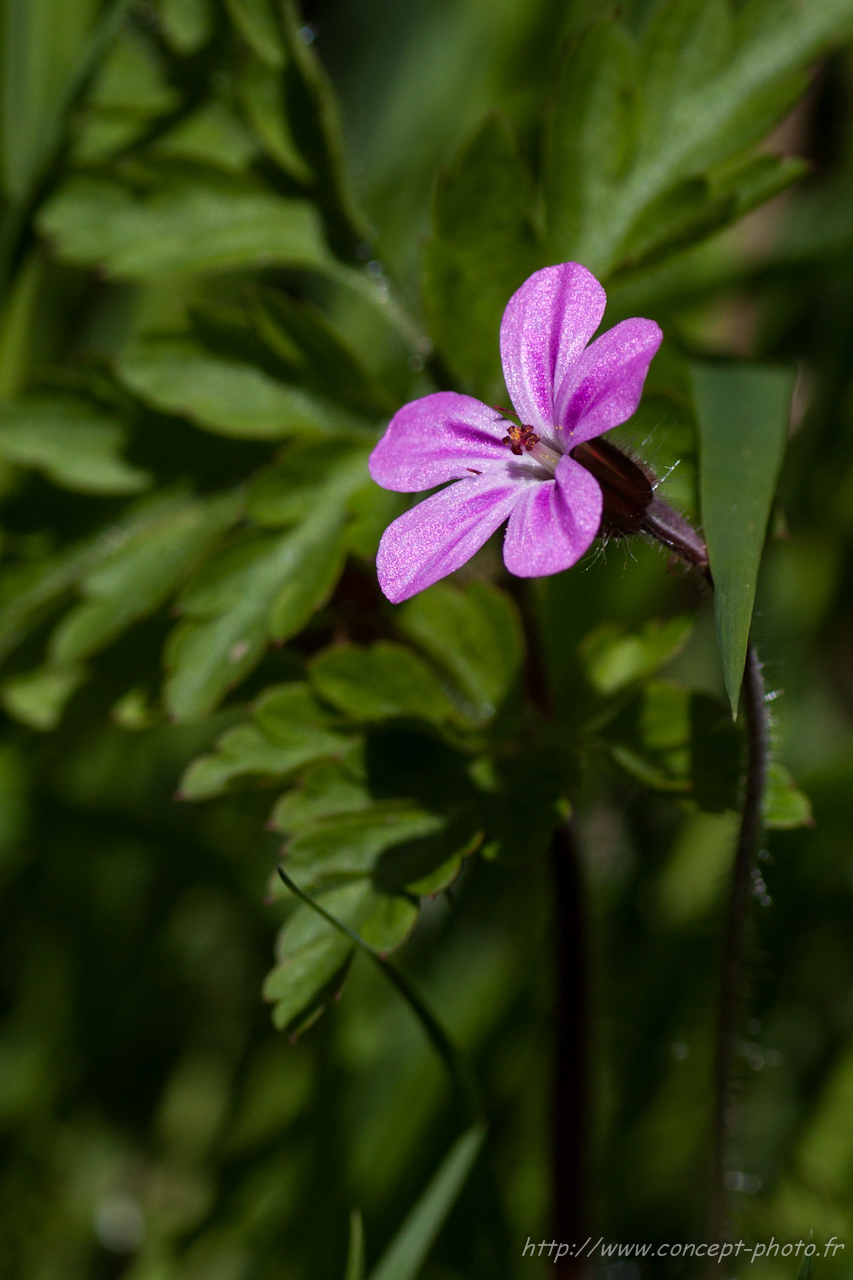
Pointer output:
x,y
570,1080
731,986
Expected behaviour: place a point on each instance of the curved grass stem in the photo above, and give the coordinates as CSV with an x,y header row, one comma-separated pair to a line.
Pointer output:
x,y
458,1069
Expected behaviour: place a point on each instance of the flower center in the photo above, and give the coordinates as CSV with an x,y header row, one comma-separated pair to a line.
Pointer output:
x,y
522,439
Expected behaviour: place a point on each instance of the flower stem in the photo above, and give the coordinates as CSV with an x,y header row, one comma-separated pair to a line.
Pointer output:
x,y
570,1106
731,984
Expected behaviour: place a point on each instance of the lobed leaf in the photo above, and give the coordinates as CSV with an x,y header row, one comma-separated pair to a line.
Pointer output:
x,y
74,445
229,397
380,683
179,230
475,633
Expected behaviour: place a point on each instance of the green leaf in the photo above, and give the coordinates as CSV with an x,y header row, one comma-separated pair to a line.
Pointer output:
x,y
325,791
146,565
355,1269
212,135
785,807
645,771
179,230
321,358
716,751
290,731
73,444
38,698
225,396
260,91
347,846
255,20
475,633
482,248
744,413
42,41
407,1252
614,661
380,683
16,325
187,24
634,123
311,952
289,491
316,127
251,593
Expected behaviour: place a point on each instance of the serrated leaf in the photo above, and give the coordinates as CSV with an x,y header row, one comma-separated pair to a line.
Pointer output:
x,y
242,602
141,573
179,230
325,791
38,698
614,660
407,1252
246,751
474,633
744,412
229,397
310,951
482,248
73,444
348,846
785,806
380,683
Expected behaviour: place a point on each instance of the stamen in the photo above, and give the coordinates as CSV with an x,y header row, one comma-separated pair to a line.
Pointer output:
x,y
520,439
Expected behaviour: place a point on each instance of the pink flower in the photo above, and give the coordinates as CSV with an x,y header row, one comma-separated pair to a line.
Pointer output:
x,y
564,393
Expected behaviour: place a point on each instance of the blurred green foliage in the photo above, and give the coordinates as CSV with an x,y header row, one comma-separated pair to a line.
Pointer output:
x,y
234,238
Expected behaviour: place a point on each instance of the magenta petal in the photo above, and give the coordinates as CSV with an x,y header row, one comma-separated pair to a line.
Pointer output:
x,y
553,522
441,437
604,388
545,327
441,533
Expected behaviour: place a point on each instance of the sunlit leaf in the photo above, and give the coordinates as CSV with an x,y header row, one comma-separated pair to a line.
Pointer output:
x,y
73,444
142,571
38,698
614,660
226,396
97,222
744,414
785,806
380,683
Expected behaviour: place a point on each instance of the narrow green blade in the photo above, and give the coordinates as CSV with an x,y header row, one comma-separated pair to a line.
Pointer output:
x,y
407,1252
743,413
355,1254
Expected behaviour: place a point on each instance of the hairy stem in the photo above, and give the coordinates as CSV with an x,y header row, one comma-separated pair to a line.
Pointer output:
x,y
570,1083
731,985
